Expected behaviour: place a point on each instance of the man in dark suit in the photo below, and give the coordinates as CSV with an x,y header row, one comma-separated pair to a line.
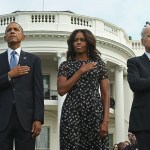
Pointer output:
x,y
139,81
21,94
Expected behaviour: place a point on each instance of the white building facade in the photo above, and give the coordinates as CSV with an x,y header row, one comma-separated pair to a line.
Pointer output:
x,y
47,34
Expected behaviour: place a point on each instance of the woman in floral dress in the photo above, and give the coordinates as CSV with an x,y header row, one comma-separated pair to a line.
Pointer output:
x,y
85,111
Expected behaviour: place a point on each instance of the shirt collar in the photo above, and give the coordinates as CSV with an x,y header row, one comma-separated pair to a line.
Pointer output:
x,y
18,50
147,54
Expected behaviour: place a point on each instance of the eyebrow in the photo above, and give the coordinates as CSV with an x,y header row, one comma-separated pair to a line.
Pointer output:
x,y
79,38
19,27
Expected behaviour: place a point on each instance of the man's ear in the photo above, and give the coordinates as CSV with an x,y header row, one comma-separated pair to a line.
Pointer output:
x,y
23,37
142,42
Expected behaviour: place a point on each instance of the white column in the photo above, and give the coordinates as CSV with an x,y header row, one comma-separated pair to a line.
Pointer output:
x,y
61,58
119,105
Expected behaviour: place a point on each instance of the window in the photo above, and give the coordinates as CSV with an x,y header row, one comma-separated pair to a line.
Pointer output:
x,y
111,90
46,85
110,141
42,141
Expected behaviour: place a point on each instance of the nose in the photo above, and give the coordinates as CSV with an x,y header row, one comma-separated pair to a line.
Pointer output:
x,y
12,31
78,41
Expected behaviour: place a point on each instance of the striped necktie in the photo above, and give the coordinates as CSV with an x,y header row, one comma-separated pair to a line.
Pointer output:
x,y
13,59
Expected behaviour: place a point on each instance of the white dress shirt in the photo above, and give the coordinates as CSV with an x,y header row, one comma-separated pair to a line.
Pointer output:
x,y
9,50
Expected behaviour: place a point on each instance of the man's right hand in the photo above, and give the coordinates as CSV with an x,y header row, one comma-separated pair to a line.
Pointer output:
x,y
18,71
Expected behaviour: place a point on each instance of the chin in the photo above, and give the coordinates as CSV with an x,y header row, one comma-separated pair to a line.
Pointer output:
x,y
12,41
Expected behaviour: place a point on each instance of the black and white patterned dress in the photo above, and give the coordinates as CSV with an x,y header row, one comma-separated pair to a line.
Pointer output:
x,y
82,110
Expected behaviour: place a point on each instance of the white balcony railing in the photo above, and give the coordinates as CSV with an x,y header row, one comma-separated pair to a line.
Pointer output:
x,y
62,21
137,45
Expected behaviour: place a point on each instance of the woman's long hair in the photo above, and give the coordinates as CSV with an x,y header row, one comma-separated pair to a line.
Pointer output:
x,y
93,53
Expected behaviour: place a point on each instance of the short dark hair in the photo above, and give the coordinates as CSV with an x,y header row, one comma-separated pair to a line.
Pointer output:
x,y
17,24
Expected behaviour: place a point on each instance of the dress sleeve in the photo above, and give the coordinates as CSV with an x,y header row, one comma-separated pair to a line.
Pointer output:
x,y
104,71
62,71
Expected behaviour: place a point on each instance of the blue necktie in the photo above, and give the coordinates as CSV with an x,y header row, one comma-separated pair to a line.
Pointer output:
x,y
13,60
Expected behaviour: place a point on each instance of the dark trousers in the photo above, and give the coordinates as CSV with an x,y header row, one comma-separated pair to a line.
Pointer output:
x,y
14,133
143,140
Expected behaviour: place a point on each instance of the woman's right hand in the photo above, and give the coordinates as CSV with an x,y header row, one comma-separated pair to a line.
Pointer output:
x,y
87,67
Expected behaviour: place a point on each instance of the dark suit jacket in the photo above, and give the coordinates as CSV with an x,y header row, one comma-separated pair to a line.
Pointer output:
x,y
26,90
131,147
139,81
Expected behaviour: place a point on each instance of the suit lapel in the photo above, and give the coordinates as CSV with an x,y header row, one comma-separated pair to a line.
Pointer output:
x,y
23,58
4,62
22,62
145,60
